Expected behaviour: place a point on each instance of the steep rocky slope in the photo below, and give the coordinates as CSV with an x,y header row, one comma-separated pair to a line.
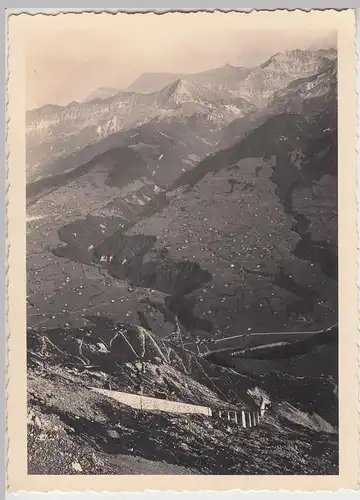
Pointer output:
x,y
84,432
308,94
305,95
278,71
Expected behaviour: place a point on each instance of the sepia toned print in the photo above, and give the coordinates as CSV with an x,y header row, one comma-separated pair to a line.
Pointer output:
x,y
187,306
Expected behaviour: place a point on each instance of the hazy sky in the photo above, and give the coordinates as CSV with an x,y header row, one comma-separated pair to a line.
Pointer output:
x,y
69,56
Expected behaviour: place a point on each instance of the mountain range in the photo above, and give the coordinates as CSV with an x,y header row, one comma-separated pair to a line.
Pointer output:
x,y
54,132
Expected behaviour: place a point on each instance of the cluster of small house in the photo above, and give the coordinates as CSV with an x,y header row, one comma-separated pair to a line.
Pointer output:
x,y
106,258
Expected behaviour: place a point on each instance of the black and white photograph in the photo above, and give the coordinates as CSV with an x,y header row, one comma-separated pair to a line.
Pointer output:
x,y
181,247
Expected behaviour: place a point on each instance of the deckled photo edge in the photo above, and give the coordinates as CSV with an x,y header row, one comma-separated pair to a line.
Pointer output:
x,y
16,291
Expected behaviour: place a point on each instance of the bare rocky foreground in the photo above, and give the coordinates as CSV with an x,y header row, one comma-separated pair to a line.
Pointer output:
x,y
75,431
92,432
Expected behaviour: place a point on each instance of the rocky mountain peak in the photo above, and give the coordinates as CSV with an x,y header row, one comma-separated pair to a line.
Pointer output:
x,y
184,91
294,59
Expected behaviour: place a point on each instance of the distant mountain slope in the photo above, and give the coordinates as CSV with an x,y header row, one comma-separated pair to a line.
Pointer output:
x,y
315,91
255,84
56,132
305,95
278,71
277,134
223,95
101,93
159,151
152,82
